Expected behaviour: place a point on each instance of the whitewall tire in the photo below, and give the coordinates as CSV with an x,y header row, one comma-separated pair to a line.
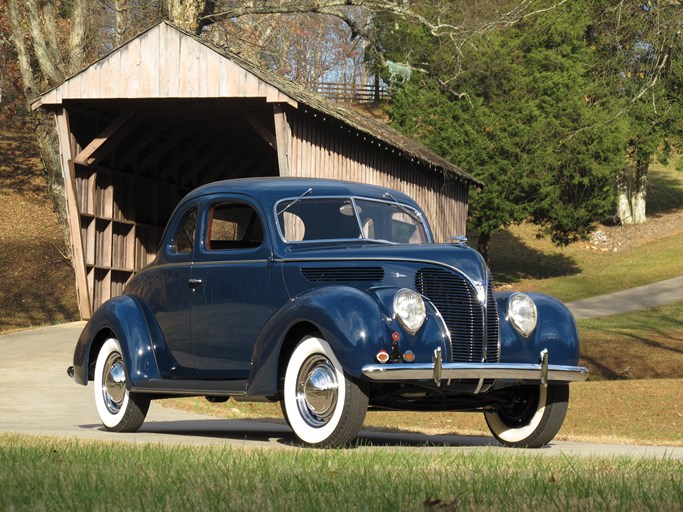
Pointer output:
x,y
119,410
533,416
321,404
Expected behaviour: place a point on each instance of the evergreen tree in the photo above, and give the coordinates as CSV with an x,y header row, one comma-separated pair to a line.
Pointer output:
x,y
524,116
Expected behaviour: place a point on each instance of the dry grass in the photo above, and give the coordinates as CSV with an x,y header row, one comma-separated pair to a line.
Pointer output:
x,y
38,284
640,345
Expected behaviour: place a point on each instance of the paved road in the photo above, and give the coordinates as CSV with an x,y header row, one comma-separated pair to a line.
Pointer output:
x,y
37,398
635,299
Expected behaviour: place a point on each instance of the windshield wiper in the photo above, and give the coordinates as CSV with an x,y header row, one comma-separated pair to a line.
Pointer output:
x,y
294,202
405,209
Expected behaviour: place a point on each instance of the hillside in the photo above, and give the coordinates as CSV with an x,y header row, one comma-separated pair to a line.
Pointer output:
x,y
614,258
38,283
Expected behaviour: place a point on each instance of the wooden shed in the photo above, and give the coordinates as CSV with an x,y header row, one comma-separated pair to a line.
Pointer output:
x,y
167,112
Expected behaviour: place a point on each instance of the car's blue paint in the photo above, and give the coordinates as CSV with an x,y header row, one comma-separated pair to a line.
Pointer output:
x,y
227,314
556,331
355,323
164,291
125,317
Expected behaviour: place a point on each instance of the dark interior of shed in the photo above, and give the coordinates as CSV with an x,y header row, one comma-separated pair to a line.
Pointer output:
x,y
136,159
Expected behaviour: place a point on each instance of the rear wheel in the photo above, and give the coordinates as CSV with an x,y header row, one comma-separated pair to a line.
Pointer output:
x,y
532,417
321,404
119,410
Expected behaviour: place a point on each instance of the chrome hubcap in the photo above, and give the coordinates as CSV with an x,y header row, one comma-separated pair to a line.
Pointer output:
x,y
317,390
114,383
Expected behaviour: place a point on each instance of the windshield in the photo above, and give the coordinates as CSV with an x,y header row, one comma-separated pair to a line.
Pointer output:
x,y
345,218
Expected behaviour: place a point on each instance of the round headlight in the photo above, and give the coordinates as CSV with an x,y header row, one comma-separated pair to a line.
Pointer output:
x,y
410,309
522,313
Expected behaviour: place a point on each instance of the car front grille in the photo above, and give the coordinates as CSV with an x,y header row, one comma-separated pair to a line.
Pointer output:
x,y
472,326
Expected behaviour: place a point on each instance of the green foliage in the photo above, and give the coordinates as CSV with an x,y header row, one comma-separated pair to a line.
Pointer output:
x,y
544,111
638,54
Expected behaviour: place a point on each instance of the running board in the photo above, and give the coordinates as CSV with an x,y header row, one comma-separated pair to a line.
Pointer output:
x,y
192,387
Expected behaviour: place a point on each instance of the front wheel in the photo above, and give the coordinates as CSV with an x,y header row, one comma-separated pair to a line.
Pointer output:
x,y
119,410
532,416
321,404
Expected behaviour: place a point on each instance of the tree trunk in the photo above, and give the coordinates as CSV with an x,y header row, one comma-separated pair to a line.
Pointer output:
x,y
46,59
121,21
77,36
19,42
483,244
633,194
43,123
188,14
48,148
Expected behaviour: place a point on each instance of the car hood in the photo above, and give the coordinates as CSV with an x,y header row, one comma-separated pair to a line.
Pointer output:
x,y
458,256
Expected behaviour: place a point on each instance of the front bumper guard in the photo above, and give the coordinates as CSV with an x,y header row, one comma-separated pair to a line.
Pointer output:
x,y
438,371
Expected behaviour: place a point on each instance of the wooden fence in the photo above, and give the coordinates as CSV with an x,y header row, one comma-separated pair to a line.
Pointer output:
x,y
355,93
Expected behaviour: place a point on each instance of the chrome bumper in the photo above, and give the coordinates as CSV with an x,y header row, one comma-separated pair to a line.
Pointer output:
x,y
438,371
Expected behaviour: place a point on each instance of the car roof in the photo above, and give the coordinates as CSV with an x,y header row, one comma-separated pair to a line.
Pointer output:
x,y
269,190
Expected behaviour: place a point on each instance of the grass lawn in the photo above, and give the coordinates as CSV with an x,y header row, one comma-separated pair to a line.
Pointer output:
x,y
575,273
47,474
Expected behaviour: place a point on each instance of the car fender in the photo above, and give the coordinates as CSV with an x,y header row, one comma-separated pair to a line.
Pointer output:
x,y
555,331
355,323
126,317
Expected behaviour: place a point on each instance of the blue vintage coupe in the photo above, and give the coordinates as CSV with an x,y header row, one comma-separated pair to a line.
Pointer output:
x,y
330,297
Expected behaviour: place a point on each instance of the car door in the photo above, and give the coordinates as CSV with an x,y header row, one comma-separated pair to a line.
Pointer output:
x,y
164,288
231,294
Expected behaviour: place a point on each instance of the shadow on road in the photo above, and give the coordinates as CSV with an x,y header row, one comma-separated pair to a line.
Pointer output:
x,y
259,431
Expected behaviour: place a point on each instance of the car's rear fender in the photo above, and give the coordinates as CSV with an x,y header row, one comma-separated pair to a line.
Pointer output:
x,y
355,323
124,318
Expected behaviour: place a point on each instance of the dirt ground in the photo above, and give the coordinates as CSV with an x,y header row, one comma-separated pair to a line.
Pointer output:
x,y
38,283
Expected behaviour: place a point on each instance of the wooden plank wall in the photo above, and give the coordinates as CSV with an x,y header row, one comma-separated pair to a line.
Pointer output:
x,y
323,148
164,63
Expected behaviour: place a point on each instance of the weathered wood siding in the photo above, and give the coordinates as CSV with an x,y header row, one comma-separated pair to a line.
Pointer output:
x,y
323,148
207,116
163,63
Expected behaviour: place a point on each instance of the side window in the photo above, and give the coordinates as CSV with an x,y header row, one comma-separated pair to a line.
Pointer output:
x,y
183,240
233,226
404,230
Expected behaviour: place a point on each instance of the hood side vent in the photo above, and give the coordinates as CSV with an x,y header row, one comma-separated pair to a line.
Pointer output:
x,y
343,274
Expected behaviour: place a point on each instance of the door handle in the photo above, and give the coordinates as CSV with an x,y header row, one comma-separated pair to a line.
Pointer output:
x,y
194,283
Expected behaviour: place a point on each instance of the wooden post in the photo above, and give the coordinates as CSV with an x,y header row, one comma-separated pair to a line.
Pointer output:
x,y
283,135
68,173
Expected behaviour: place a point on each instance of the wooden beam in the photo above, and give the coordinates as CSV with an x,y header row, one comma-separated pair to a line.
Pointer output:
x,y
192,148
115,131
283,135
202,162
160,150
231,160
260,128
73,215
152,134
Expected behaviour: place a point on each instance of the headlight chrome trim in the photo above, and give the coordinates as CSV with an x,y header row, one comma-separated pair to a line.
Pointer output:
x,y
410,309
522,313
